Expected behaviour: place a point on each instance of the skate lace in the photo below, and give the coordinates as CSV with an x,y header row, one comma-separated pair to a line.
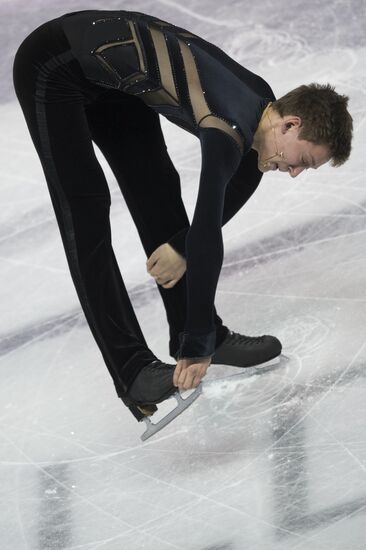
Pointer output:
x,y
236,338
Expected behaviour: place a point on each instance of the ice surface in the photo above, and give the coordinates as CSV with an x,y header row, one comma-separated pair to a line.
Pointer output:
x,y
272,459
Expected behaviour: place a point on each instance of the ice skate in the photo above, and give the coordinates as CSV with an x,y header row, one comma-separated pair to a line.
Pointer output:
x,y
182,404
238,350
153,385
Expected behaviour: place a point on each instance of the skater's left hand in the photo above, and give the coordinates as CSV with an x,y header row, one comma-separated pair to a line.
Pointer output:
x,y
189,371
166,265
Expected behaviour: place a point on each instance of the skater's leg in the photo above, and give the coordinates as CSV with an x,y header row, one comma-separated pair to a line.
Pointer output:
x,y
130,136
50,90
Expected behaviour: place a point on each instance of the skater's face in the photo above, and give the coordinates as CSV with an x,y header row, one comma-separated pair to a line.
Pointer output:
x,y
281,149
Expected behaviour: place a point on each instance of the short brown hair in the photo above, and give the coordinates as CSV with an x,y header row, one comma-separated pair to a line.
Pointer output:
x,y
324,115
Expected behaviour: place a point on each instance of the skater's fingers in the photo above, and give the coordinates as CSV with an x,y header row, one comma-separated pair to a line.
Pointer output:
x,y
170,284
177,371
152,260
188,373
197,375
186,376
163,278
156,270
150,269
176,375
161,275
196,381
182,379
191,374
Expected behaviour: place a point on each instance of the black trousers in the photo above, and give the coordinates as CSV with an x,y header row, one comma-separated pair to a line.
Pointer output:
x,y
65,113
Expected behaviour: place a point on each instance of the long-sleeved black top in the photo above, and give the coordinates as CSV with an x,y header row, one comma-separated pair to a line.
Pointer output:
x,y
197,86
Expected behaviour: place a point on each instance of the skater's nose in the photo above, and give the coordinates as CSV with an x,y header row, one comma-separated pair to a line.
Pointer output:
x,y
295,171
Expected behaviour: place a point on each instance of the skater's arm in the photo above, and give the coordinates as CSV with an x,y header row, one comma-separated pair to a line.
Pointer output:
x,y
238,191
204,243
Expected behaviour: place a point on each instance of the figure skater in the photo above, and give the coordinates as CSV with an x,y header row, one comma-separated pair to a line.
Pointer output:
x,y
104,77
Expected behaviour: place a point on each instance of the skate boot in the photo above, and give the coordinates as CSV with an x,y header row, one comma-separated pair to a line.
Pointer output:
x,y
238,350
154,384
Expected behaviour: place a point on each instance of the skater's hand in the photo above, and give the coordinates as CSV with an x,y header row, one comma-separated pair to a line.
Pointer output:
x,y
166,265
189,371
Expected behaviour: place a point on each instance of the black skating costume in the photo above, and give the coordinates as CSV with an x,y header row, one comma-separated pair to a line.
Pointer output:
x,y
105,76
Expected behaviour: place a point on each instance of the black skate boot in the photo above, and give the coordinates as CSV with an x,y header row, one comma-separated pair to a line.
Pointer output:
x,y
238,350
153,384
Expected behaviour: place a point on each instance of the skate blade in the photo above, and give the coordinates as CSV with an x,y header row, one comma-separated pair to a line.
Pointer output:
x,y
269,363
183,404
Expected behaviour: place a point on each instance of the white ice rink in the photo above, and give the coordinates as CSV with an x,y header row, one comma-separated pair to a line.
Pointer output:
x,y
264,460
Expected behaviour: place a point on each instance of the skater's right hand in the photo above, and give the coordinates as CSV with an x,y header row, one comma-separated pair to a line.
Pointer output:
x,y
166,266
189,371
